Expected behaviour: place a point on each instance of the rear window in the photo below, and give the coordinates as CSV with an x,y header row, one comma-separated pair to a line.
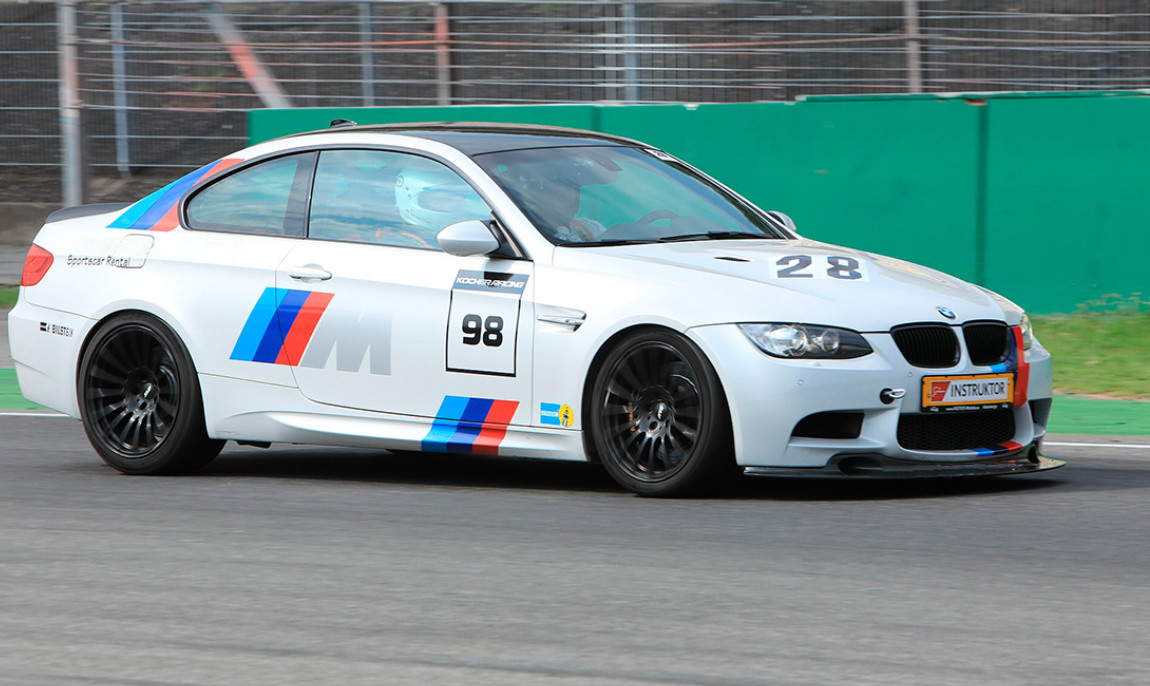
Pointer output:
x,y
264,199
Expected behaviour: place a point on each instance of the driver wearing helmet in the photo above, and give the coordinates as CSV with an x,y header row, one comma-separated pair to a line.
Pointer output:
x,y
430,199
552,189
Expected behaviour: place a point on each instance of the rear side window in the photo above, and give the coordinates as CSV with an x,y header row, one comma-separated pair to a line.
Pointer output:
x,y
266,199
388,198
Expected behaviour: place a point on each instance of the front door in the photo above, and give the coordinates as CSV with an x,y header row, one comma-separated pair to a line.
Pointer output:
x,y
381,319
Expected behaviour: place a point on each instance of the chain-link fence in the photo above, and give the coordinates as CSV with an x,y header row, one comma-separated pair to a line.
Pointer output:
x,y
164,85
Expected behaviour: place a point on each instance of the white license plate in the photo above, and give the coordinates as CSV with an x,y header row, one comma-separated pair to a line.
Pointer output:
x,y
969,392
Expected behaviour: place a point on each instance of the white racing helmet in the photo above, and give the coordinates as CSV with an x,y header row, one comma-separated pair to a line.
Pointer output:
x,y
433,199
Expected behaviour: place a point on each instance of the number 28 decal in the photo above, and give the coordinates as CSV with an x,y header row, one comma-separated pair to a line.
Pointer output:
x,y
819,267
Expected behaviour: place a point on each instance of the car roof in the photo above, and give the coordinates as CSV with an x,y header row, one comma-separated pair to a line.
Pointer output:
x,y
478,138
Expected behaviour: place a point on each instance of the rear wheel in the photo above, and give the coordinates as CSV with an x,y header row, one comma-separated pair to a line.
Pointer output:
x,y
658,418
140,399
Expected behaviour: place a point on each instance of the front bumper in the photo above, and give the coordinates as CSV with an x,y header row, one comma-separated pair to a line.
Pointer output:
x,y
769,397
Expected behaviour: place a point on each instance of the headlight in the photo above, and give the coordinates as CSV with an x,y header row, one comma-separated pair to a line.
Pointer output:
x,y
1027,333
806,341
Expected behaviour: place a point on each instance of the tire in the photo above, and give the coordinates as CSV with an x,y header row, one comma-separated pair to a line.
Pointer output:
x,y
658,420
140,399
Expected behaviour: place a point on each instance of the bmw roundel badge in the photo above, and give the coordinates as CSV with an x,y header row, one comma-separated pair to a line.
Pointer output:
x,y
946,312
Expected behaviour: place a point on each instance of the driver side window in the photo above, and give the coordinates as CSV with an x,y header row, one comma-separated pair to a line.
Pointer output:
x,y
388,198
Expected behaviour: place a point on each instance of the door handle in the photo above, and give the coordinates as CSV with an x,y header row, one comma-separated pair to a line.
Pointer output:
x,y
309,272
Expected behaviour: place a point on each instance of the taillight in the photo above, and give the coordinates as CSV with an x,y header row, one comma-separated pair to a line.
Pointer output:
x,y
36,265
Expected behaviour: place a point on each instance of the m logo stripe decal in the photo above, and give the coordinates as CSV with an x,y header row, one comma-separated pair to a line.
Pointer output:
x,y
262,316
300,331
273,338
280,326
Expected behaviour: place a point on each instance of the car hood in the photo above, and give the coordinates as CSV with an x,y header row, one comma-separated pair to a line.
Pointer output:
x,y
740,280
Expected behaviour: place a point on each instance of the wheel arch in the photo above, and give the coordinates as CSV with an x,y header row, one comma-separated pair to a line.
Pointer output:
x,y
102,321
611,343
169,436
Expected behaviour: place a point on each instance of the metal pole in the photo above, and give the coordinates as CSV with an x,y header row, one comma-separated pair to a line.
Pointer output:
x,y
245,58
609,47
73,176
443,53
913,56
120,90
367,53
630,56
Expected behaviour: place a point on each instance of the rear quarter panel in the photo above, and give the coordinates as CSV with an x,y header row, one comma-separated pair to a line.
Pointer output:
x,y
202,285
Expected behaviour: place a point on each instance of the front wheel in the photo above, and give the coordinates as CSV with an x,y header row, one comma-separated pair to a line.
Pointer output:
x,y
140,399
658,419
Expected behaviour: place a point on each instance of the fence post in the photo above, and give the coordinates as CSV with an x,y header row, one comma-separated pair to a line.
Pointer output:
x,y
630,57
913,47
74,172
443,53
367,56
120,91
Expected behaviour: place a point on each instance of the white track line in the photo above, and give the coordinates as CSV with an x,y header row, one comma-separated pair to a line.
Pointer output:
x,y
1133,446
49,415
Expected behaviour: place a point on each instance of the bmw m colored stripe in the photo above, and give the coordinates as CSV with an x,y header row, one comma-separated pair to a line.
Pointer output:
x,y
1022,383
1000,449
280,326
1016,361
302,327
470,425
494,428
158,211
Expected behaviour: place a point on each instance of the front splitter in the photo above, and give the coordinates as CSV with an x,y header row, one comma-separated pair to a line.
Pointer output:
x,y
873,465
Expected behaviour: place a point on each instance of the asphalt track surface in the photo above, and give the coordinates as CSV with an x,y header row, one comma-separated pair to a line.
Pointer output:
x,y
324,566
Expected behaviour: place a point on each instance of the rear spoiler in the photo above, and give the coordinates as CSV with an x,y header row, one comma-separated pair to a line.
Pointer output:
x,y
85,211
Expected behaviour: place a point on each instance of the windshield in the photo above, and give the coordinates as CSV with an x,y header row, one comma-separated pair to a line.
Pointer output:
x,y
610,195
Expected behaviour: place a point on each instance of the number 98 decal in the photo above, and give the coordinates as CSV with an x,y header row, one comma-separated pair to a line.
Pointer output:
x,y
483,322
476,329
819,267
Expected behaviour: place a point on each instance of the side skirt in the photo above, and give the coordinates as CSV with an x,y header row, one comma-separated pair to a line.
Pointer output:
x,y
257,412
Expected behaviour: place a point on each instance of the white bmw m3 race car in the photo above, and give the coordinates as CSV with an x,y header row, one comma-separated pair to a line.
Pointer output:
x,y
518,291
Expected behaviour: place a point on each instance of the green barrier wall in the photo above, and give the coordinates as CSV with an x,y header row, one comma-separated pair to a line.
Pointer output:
x,y
1066,187
1036,196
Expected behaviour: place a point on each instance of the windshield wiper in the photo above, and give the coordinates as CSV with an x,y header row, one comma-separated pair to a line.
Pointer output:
x,y
610,241
711,235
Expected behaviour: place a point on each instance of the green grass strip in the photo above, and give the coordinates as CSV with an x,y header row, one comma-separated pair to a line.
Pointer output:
x,y
10,398
1078,415
1099,353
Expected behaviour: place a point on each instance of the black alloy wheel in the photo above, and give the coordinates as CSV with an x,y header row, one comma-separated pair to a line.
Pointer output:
x,y
658,418
140,400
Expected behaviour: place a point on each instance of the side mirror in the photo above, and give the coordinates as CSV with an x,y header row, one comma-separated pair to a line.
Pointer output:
x,y
784,220
467,238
